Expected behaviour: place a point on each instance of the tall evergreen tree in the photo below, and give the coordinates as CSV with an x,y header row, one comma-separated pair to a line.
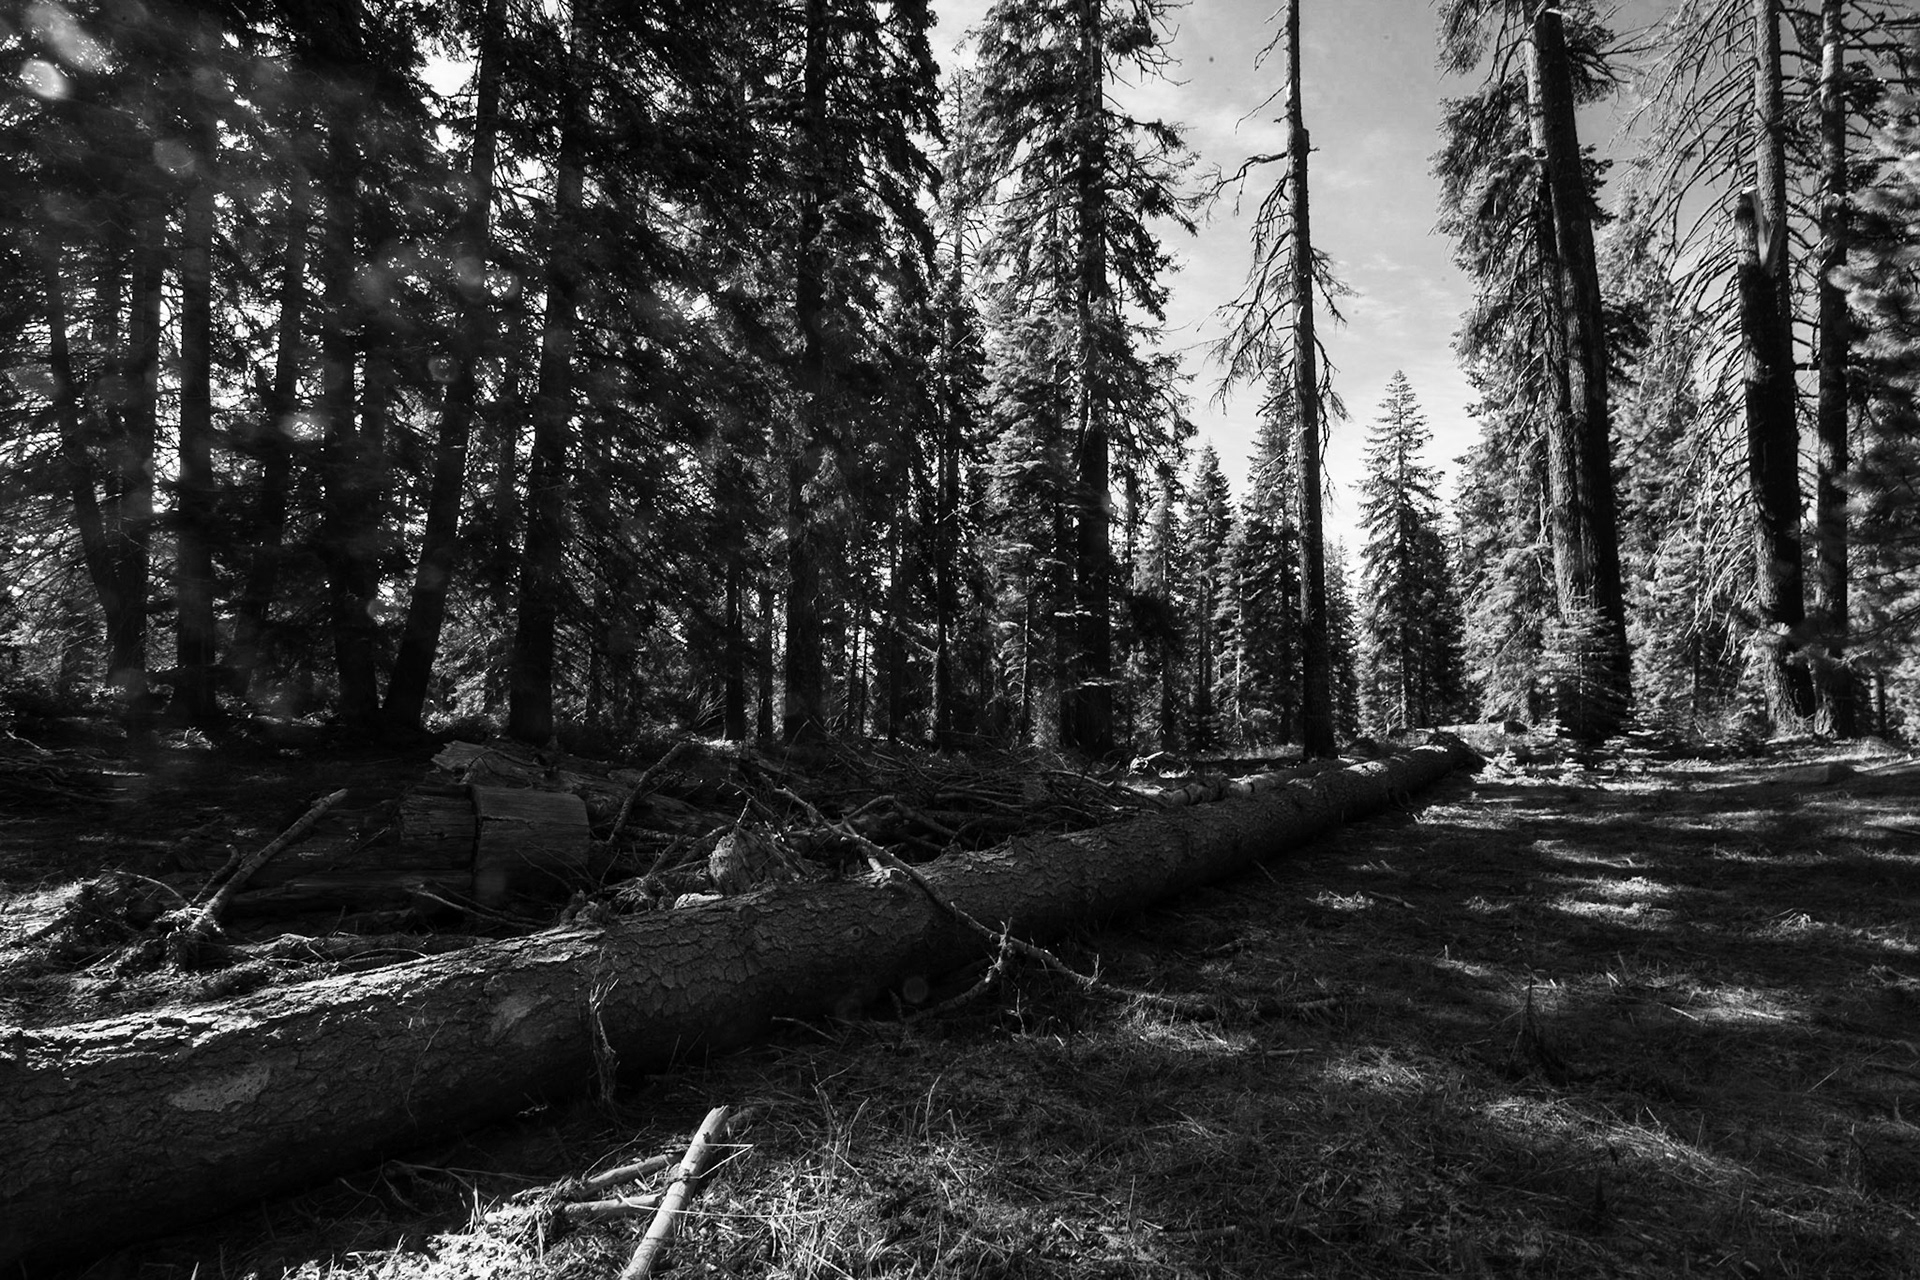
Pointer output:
x,y
1410,660
1083,184
1513,165
1343,645
1266,611
1208,528
1159,614
1884,291
1732,124
865,88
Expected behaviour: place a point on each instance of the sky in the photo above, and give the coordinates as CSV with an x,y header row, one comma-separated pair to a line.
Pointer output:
x,y
1372,108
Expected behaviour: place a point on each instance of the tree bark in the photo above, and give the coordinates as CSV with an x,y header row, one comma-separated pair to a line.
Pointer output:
x,y
274,444
954,430
763,664
1086,709
1316,650
134,415
734,691
131,1126
804,709
76,459
347,523
196,640
1773,435
433,575
1594,692
1830,582
530,715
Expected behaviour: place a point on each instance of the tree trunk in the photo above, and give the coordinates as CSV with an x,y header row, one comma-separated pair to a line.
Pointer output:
x,y
274,444
346,525
1830,581
131,1126
1594,692
1086,708
946,520
893,656
1773,437
76,459
196,640
734,695
135,415
1773,475
804,711
433,576
1204,735
1316,649
542,563
763,664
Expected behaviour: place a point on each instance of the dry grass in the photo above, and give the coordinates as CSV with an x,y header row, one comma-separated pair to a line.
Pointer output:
x,y
1562,1023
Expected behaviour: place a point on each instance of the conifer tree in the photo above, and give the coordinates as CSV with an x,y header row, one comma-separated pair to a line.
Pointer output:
x,y
1343,645
863,92
1265,559
1410,662
1159,614
1273,339
1884,292
1208,528
1078,259
1505,570
1519,192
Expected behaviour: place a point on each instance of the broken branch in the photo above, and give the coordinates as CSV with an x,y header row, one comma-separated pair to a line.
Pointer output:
x,y
686,1181
205,924
639,789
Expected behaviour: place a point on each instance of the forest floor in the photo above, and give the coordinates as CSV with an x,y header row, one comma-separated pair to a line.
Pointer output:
x,y
1622,1018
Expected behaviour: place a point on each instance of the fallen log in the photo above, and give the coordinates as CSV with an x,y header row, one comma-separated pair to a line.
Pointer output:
x,y
129,1127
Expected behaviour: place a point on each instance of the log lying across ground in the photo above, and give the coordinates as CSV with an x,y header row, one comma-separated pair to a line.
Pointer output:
x,y
116,1130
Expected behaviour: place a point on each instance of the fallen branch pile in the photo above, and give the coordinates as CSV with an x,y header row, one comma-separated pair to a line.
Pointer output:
x,y
35,778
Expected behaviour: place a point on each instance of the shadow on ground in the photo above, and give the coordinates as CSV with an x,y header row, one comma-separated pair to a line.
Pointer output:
x,y
1586,1023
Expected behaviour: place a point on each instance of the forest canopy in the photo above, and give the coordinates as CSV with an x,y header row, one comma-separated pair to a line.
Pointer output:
x,y
739,366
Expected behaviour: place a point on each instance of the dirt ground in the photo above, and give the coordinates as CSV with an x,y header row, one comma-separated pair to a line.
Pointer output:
x,y
1630,1018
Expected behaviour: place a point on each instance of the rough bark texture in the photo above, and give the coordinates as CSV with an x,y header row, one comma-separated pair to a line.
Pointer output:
x,y
1834,684
196,637
273,442
433,576
1593,691
804,711
1316,642
133,428
1773,434
128,1127
530,714
349,516
1086,709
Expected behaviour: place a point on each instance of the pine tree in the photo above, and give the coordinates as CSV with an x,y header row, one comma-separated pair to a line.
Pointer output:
x,y
1410,671
1343,645
1732,124
1519,192
1159,613
1884,292
1208,527
863,92
1680,540
1266,597
1079,262
1505,568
